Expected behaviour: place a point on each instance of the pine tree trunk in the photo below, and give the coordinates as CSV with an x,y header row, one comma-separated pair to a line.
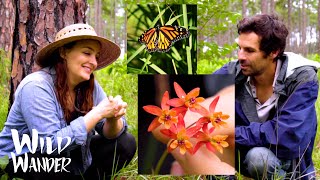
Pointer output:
x,y
7,23
318,51
299,30
264,6
112,20
244,8
98,17
124,32
272,6
289,44
115,22
303,28
36,26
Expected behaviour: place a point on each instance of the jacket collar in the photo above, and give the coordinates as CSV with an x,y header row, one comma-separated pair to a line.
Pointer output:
x,y
296,61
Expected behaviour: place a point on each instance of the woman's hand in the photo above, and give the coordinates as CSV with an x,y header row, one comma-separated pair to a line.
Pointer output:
x,y
114,124
111,108
119,107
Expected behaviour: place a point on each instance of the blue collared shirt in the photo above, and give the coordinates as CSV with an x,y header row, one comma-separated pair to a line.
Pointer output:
x,y
37,107
263,109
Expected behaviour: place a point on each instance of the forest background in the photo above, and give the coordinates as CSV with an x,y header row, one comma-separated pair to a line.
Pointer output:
x,y
216,31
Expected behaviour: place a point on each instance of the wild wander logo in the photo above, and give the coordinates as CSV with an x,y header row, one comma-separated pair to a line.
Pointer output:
x,y
38,164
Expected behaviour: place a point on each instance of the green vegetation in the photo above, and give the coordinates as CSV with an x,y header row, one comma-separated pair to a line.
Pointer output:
x,y
3,164
115,81
316,149
4,86
206,66
4,99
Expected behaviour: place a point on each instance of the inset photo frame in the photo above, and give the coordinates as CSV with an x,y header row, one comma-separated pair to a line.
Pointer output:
x,y
162,39
186,124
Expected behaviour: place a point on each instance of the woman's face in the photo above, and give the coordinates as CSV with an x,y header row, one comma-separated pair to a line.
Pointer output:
x,y
81,60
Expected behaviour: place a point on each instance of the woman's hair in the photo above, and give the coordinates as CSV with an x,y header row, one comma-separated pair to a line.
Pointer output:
x,y
272,31
84,90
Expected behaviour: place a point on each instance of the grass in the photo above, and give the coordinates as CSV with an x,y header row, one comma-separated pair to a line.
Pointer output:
x,y
115,81
4,86
4,99
316,149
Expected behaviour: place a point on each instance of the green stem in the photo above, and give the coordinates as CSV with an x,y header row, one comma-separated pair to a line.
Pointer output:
x,y
160,162
239,177
174,66
160,16
185,23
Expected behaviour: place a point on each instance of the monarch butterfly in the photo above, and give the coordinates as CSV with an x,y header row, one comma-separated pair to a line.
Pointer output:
x,y
161,38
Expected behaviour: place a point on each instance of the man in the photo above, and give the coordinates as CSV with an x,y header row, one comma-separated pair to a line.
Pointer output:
x,y
275,102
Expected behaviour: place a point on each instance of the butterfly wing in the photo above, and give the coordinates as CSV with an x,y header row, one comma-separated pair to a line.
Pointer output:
x,y
169,34
150,38
164,43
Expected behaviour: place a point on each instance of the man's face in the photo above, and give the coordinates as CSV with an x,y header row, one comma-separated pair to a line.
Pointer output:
x,y
253,61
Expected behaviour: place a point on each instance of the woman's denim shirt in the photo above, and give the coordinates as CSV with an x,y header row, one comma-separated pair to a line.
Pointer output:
x,y
37,107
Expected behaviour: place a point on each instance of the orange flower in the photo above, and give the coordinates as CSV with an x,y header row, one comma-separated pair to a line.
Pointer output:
x,y
164,114
216,118
190,100
212,142
180,136
218,141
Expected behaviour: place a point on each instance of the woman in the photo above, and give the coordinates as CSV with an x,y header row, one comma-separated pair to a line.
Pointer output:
x,y
63,102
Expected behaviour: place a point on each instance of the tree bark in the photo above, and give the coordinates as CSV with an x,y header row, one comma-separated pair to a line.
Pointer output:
x,y
272,6
264,6
304,28
112,25
298,43
115,22
7,18
36,25
124,31
244,8
98,17
289,44
318,28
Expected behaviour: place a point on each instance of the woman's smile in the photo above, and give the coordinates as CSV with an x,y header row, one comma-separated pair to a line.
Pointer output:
x,y
87,68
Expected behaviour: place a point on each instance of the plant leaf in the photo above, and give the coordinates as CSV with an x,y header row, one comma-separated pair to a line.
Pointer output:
x,y
5,177
4,161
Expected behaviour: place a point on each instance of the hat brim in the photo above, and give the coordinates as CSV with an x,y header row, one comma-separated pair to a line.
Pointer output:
x,y
109,51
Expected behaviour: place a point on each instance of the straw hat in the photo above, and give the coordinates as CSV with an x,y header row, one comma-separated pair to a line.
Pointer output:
x,y
109,51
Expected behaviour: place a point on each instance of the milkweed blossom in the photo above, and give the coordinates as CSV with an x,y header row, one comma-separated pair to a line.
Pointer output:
x,y
216,118
212,142
180,136
174,124
164,115
190,100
